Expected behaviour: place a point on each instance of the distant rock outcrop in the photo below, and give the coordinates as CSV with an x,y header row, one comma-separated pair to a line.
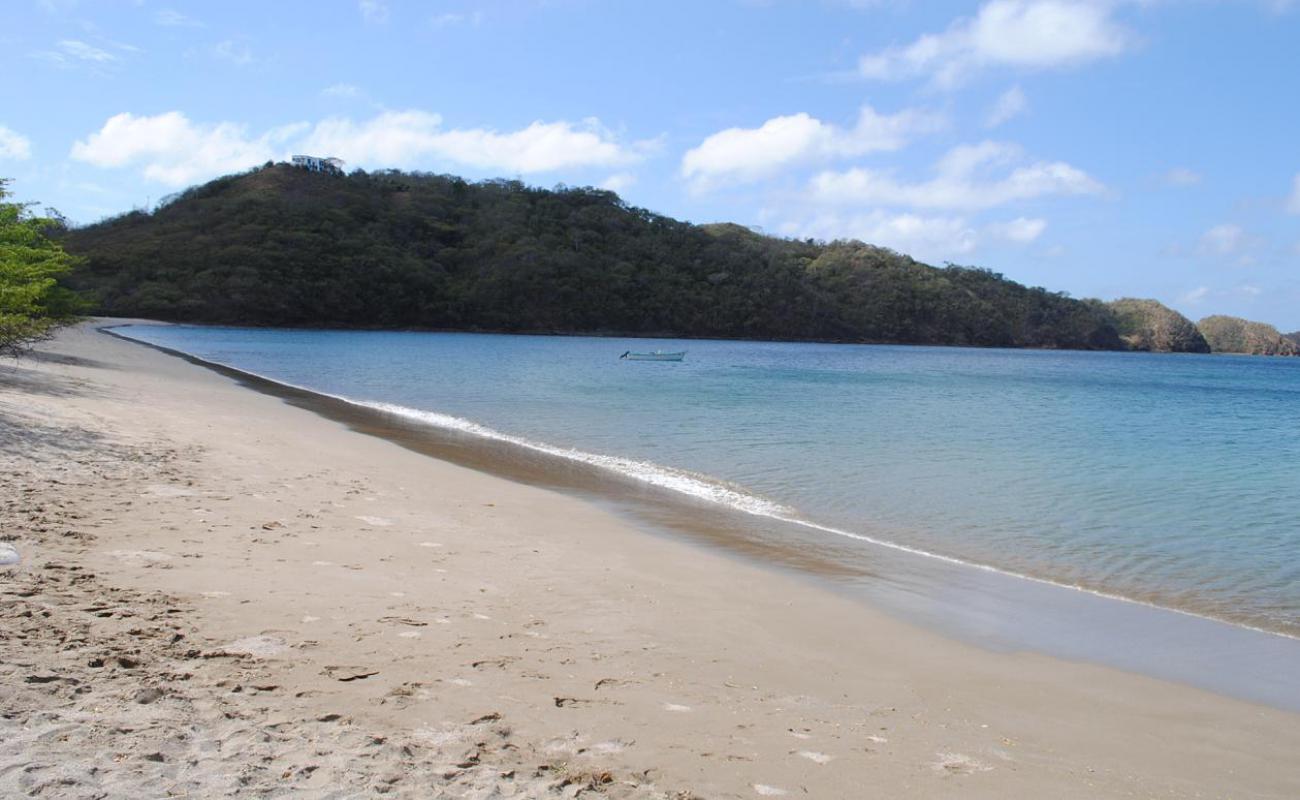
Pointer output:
x,y
1236,335
1150,325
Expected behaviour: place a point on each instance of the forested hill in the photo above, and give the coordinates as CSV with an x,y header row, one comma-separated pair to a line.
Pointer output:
x,y
283,246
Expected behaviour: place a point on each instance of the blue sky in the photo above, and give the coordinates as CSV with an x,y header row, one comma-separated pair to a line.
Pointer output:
x,y
1147,148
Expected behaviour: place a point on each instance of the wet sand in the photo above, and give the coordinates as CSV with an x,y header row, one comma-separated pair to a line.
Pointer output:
x,y
220,593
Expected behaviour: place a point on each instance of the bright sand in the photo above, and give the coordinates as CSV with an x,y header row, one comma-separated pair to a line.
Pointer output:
x,y
222,594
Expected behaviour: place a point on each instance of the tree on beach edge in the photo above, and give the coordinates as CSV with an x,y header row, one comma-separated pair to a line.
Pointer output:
x,y
32,303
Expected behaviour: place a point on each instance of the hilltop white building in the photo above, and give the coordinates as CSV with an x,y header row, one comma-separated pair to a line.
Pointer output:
x,y
333,166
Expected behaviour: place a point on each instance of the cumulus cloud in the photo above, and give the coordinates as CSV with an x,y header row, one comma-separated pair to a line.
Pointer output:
x,y
1011,103
930,238
1023,34
618,182
1293,202
1182,176
1194,296
172,149
1021,230
739,155
969,177
14,145
408,137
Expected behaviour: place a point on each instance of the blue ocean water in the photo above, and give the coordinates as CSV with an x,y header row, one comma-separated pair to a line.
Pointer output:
x,y
1167,479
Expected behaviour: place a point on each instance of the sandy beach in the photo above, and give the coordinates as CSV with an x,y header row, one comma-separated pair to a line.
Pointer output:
x,y
218,594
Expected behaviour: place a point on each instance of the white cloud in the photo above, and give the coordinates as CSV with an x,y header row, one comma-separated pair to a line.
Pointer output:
x,y
81,50
14,145
964,179
70,52
1182,176
1025,34
1293,202
1194,296
1011,103
1223,240
451,19
170,18
172,149
236,53
748,154
1020,230
345,90
618,182
373,10
932,239
400,138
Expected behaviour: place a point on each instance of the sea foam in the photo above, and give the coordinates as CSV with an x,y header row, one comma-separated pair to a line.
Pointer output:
x,y
682,481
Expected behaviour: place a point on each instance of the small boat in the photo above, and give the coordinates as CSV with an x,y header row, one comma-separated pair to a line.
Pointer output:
x,y
657,355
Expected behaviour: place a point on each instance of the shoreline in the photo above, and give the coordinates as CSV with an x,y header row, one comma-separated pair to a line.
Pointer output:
x,y
689,338
286,535
1187,640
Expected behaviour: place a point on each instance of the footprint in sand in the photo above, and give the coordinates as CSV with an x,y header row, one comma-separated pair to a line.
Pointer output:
x,y
310,618
378,522
429,544
680,709
322,563
815,757
769,791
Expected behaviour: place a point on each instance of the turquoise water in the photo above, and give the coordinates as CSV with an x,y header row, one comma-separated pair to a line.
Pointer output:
x,y
1167,479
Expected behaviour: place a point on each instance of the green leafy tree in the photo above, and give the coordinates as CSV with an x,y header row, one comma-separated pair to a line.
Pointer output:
x,y
32,303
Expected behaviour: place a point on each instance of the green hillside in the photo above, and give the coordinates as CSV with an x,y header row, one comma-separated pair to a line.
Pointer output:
x,y
282,246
